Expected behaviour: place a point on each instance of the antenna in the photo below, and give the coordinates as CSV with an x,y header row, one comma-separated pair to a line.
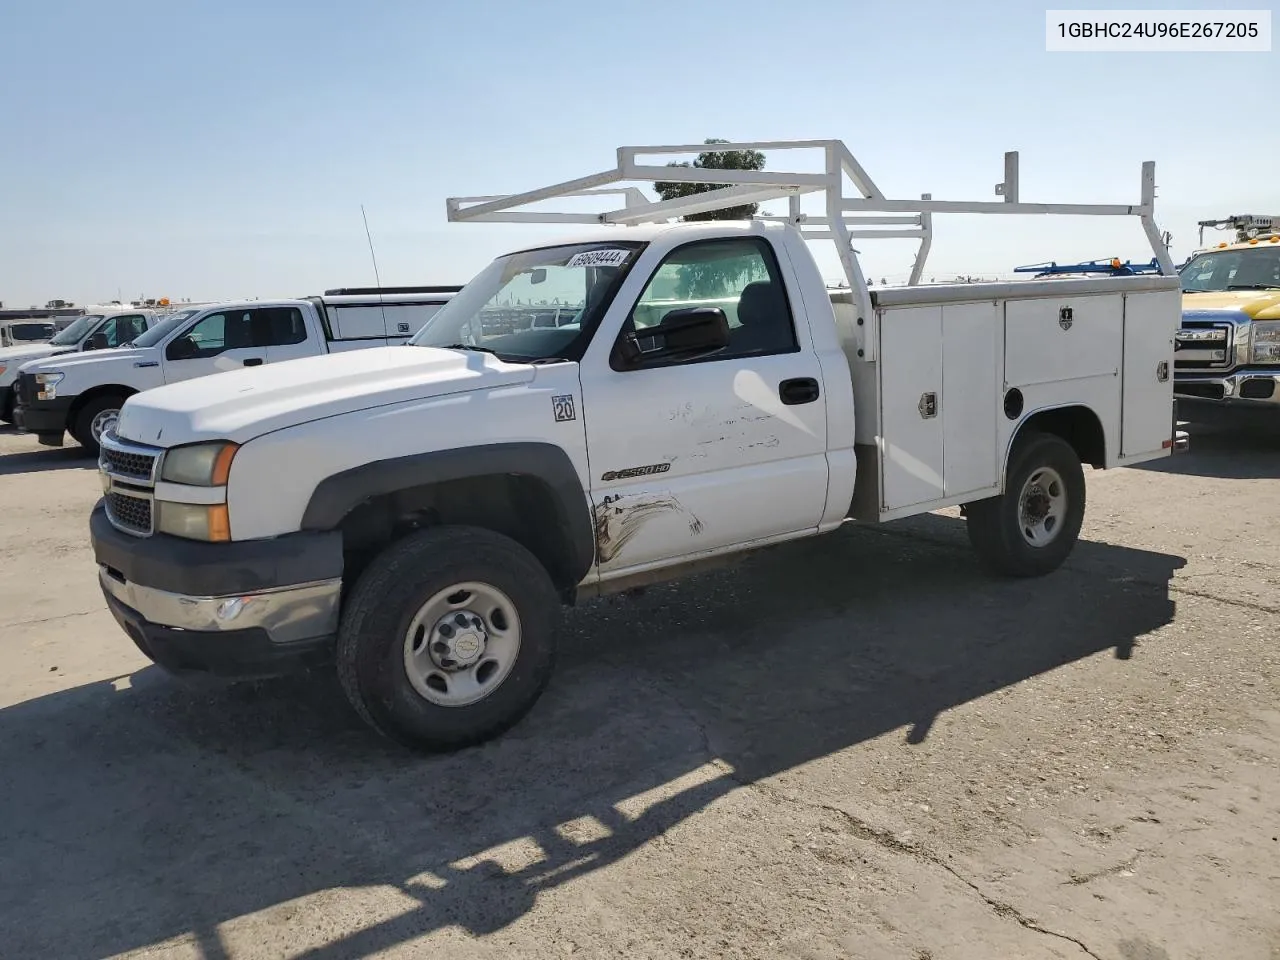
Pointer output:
x,y
376,279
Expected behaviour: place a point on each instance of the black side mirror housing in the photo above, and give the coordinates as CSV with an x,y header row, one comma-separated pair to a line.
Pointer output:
x,y
96,341
184,348
686,334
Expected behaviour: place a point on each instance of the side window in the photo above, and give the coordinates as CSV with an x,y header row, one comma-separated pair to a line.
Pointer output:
x,y
238,330
121,329
208,338
137,327
278,327
741,277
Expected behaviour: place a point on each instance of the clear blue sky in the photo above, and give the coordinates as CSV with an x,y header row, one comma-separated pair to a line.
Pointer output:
x,y
205,150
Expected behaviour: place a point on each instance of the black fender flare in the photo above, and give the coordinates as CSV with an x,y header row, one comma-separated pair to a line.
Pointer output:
x,y
337,495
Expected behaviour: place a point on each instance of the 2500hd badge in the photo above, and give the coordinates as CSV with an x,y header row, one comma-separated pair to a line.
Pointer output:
x,y
633,472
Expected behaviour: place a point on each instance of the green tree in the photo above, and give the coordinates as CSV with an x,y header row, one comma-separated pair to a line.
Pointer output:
x,y
714,279
714,160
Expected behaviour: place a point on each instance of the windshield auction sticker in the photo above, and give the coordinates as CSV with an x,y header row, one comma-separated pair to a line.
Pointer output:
x,y
599,258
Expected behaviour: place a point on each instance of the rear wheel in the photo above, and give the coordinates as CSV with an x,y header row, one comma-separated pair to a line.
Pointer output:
x,y
94,419
448,638
1031,529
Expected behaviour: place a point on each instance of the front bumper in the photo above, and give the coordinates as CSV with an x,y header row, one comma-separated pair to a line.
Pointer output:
x,y
1249,387
47,418
247,609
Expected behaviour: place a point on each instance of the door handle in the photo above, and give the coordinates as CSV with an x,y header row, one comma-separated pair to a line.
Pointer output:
x,y
253,362
798,390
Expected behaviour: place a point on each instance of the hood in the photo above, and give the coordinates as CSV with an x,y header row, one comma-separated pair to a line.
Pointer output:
x,y
242,404
34,351
1255,304
71,363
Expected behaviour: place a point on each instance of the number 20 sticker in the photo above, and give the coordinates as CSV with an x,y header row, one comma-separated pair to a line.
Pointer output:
x,y
563,408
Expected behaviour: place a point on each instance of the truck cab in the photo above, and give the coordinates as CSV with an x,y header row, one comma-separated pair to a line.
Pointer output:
x,y
1228,346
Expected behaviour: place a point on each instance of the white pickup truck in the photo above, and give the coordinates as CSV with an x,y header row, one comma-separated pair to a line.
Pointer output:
x,y
82,395
97,330
419,515
24,332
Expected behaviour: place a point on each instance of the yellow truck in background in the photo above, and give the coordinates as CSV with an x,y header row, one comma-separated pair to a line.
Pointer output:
x,y
1227,351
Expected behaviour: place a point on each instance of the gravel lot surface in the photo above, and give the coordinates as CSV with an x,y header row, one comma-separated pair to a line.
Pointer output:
x,y
855,747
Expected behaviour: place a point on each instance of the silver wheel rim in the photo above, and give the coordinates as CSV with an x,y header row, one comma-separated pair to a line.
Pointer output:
x,y
103,422
1042,507
461,644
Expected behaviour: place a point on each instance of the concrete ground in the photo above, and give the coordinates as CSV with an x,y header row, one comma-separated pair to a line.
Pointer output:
x,y
857,747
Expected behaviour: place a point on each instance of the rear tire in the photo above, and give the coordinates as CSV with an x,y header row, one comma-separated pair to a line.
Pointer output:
x,y
97,415
448,638
1031,529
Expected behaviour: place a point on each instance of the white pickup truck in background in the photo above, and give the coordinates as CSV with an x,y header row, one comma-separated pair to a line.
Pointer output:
x,y
82,395
99,330
23,332
419,515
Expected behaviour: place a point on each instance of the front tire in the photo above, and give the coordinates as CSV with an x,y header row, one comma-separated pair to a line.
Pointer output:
x,y
448,638
95,418
1031,529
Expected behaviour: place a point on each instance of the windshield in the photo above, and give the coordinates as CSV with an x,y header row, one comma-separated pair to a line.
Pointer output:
x,y
1256,269
71,335
535,305
163,328
28,332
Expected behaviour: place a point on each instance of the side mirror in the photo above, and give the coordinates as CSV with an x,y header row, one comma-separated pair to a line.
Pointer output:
x,y
538,275
685,334
184,348
97,341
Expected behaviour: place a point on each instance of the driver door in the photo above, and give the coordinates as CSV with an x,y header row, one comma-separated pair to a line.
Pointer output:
x,y
216,343
697,456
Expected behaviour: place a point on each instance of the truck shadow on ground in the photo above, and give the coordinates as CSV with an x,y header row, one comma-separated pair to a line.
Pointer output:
x,y
1244,446
71,457
142,809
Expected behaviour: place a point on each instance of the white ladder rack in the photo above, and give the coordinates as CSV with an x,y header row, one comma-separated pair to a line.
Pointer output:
x,y
846,217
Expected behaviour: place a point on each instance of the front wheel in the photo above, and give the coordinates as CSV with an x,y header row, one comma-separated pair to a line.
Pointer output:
x,y
1031,529
448,638
94,419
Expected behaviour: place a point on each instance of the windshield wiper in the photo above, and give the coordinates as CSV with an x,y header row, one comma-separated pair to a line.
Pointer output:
x,y
502,357
467,346
1253,286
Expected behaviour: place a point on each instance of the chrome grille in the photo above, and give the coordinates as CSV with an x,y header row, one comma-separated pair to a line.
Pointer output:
x,y
130,471
129,513
1203,346
127,464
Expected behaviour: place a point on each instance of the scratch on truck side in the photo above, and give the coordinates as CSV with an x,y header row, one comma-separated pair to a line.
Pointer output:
x,y
619,519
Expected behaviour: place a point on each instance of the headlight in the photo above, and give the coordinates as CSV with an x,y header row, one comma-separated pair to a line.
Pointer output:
x,y
193,521
48,384
200,465
1266,341
2,369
